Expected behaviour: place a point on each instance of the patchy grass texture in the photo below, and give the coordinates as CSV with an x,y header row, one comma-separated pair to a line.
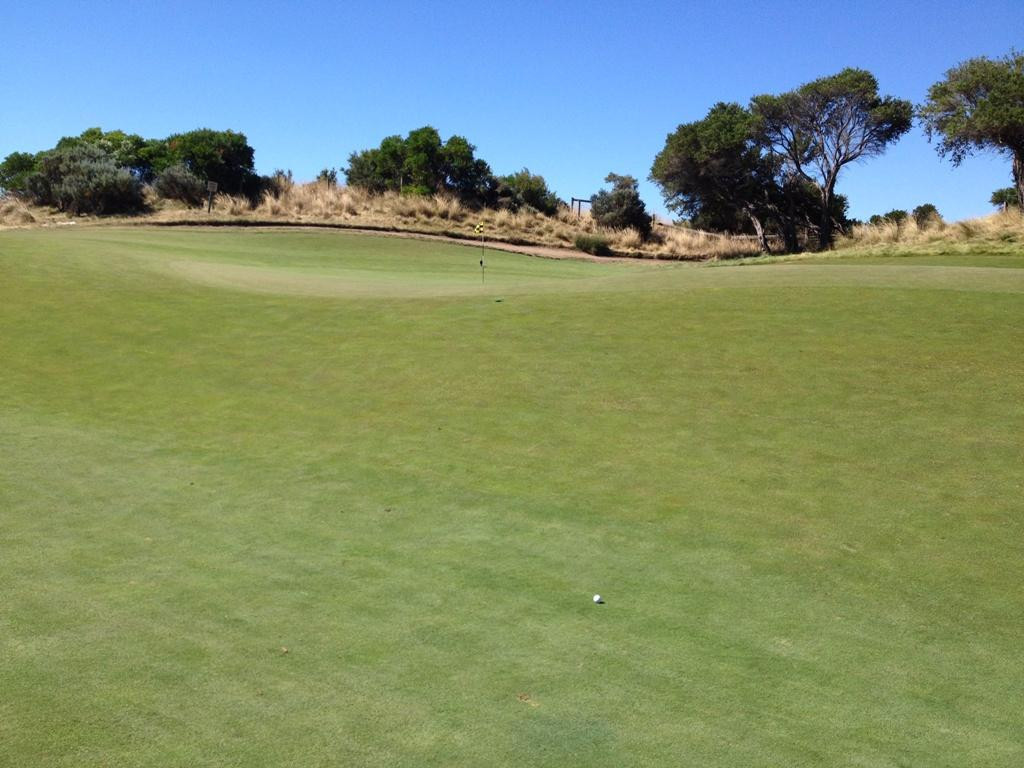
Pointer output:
x,y
315,499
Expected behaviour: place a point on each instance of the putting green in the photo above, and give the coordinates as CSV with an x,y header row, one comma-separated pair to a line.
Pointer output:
x,y
313,498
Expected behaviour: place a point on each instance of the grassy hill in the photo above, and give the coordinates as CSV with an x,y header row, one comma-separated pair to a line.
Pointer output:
x,y
315,498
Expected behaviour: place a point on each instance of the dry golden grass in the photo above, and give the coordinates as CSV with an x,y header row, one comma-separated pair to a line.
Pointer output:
x,y
14,213
1005,225
318,204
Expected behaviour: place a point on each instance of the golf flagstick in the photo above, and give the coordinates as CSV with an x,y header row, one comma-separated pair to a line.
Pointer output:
x,y
479,229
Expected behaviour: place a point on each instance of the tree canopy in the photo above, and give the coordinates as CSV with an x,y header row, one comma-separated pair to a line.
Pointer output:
x,y
1005,197
713,171
621,207
221,156
722,174
828,123
91,172
422,164
15,170
926,214
979,105
527,189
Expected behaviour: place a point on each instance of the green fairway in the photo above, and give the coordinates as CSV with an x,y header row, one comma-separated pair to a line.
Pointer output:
x,y
317,499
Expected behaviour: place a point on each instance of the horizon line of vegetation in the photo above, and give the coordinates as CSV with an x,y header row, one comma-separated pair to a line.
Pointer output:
x,y
769,169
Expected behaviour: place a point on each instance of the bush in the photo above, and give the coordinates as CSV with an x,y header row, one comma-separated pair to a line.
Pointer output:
x,y
594,244
896,216
622,207
278,183
328,176
1004,198
926,215
84,179
528,189
15,170
179,183
221,156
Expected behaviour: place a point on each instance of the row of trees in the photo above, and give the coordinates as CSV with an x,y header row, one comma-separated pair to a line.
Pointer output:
x,y
104,172
421,164
771,167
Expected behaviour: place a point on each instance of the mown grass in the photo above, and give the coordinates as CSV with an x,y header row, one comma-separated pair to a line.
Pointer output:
x,y
361,523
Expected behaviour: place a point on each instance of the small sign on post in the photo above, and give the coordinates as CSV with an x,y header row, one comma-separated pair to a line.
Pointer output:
x,y
211,187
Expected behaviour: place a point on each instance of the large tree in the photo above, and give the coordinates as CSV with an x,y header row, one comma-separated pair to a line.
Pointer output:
x,y
721,174
827,124
221,156
713,171
980,105
421,164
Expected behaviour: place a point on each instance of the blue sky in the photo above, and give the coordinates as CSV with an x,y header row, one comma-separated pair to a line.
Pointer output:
x,y
569,90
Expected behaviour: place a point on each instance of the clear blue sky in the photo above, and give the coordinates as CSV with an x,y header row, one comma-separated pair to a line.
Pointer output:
x,y
570,90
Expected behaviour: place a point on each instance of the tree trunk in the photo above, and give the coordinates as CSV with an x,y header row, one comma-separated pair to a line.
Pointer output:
x,y
1018,178
762,240
789,234
825,222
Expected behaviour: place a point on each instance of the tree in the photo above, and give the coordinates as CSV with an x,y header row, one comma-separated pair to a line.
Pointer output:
x,y
525,188
421,164
362,171
722,175
221,156
621,207
464,174
713,171
15,170
1005,197
980,106
827,124
925,215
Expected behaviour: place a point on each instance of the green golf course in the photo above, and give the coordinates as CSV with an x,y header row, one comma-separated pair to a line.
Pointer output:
x,y
314,498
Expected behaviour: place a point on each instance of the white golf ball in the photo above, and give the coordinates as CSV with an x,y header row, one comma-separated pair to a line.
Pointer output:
x,y
597,598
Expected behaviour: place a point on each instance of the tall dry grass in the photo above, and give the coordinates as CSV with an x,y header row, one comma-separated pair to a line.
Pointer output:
x,y
14,213
317,203
1006,226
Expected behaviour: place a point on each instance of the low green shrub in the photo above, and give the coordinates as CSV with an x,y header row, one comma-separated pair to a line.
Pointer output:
x,y
179,183
593,244
84,179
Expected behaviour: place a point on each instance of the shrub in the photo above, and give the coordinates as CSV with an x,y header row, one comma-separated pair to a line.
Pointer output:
x,y
277,184
926,215
896,216
84,179
328,176
593,244
179,183
15,170
100,188
525,188
622,207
